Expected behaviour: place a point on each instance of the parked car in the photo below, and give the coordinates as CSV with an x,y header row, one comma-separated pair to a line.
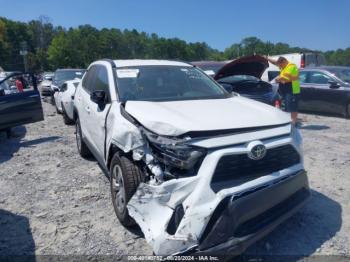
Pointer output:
x,y
325,90
44,76
45,84
19,108
61,76
243,76
301,60
197,168
64,100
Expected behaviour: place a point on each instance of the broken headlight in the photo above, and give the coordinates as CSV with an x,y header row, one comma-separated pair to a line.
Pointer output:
x,y
173,151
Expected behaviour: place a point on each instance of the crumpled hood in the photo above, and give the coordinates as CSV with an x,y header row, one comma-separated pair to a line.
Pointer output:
x,y
175,118
254,65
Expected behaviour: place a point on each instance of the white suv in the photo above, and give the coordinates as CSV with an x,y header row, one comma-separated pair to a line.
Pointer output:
x,y
198,169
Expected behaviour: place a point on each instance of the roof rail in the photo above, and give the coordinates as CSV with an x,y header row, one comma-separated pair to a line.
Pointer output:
x,y
109,61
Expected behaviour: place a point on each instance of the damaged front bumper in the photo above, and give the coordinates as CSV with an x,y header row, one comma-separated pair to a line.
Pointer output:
x,y
200,214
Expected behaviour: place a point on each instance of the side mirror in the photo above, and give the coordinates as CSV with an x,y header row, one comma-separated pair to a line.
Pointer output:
x,y
98,97
49,78
333,84
55,89
2,92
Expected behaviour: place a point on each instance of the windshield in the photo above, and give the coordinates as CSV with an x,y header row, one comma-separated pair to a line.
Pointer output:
x,y
342,73
64,75
238,78
166,83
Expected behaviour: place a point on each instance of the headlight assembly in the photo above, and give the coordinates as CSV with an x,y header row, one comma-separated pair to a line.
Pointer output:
x,y
174,152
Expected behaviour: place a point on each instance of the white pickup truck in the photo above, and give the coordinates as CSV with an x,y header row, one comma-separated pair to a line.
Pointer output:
x,y
197,168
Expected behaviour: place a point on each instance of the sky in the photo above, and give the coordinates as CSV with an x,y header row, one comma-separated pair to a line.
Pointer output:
x,y
315,24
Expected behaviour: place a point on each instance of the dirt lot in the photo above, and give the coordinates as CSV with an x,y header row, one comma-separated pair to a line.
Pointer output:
x,y
54,202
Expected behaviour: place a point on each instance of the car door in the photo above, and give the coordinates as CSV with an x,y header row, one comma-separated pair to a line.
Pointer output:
x,y
82,98
22,106
325,97
306,92
98,113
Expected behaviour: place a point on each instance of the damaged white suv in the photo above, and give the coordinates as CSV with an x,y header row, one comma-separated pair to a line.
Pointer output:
x,y
197,168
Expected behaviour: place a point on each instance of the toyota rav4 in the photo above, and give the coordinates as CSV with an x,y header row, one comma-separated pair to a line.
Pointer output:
x,y
197,168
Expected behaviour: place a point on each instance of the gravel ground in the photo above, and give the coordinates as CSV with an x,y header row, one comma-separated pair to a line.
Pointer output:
x,y
53,202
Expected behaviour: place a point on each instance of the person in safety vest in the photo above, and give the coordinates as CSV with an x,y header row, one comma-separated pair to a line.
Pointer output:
x,y
289,85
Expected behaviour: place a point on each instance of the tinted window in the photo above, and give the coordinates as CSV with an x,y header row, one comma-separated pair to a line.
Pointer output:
x,y
101,82
318,78
89,78
64,87
302,76
64,75
342,73
17,83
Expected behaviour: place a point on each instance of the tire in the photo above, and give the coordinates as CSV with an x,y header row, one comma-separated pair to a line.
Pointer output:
x,y
66,119
82,147
125,177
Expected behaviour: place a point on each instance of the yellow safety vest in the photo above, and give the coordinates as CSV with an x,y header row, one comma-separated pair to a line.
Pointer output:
x,y
291,70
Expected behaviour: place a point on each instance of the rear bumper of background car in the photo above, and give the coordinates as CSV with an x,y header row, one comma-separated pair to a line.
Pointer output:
x,y
46,92
237,222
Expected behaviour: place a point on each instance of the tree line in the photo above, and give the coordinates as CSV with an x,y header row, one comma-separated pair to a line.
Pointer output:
x,y
50,47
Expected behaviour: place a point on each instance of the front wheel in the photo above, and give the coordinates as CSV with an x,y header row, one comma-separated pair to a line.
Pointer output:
x,y
82,147
125,177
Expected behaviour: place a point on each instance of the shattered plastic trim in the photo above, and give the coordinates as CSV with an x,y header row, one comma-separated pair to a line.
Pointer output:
x,y
153,206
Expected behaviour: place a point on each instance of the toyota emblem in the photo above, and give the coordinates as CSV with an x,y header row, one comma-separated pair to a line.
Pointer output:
x,y
257,152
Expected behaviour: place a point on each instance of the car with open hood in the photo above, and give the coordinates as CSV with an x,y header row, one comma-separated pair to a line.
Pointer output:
x,y
199,169
243,76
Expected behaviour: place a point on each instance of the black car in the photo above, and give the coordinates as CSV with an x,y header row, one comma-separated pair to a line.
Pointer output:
x,y
22,106
325,89
243,76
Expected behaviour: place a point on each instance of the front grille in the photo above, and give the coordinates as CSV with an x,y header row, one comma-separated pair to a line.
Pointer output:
x,y
236,169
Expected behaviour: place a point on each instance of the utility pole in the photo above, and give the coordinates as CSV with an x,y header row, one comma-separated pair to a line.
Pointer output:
x,y
23,52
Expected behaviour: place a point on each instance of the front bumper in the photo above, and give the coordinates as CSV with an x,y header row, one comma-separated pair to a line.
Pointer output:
x,y
235,209
238,222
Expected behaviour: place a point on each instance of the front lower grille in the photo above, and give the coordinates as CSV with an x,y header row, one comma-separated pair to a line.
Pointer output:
x,y
239,168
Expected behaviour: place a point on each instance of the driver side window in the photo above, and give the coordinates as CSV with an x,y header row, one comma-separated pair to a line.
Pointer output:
x,y
318,78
